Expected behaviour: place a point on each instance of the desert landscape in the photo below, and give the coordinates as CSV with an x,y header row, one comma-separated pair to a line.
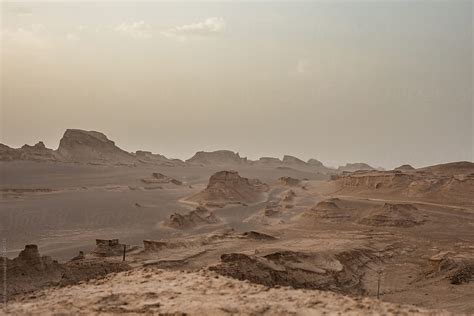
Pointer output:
x,y
233,157
94,229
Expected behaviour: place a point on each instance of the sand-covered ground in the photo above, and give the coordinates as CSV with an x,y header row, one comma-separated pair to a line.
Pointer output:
x,y
154,291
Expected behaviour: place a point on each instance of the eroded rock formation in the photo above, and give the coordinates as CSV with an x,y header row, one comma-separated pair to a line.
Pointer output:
x,y
229,187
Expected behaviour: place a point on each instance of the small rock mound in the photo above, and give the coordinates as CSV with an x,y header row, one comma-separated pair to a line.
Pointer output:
x,y
289,196
257,235
328,205
200,216
329,210
289,181
458,269
404,168
396,215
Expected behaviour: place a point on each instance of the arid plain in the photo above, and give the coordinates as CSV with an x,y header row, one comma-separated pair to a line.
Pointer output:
x,y
220,234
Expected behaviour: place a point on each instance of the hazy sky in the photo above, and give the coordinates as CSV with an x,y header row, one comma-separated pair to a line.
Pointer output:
x,y
386,82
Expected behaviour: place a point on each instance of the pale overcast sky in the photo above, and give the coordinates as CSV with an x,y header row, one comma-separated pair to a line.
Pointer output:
x,y
382,82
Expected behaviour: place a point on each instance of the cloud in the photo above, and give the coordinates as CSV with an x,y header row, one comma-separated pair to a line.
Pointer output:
x,y
139,29
30,37
205,28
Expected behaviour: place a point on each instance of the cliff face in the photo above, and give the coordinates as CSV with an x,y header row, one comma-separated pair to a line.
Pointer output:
x,y
91,147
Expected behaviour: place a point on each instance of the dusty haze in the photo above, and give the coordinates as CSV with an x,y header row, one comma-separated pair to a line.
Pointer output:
x,y
384,83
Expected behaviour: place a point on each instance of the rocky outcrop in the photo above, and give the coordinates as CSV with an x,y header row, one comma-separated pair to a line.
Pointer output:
x,y
198,217
91,147
351,167
340,272
159,178
8,154
457,268
30,271
228,187
219,157
38,152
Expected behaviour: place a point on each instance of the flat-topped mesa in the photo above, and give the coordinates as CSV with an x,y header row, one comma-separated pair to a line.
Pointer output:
x,y
358,166
91,147
219,157
228,187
